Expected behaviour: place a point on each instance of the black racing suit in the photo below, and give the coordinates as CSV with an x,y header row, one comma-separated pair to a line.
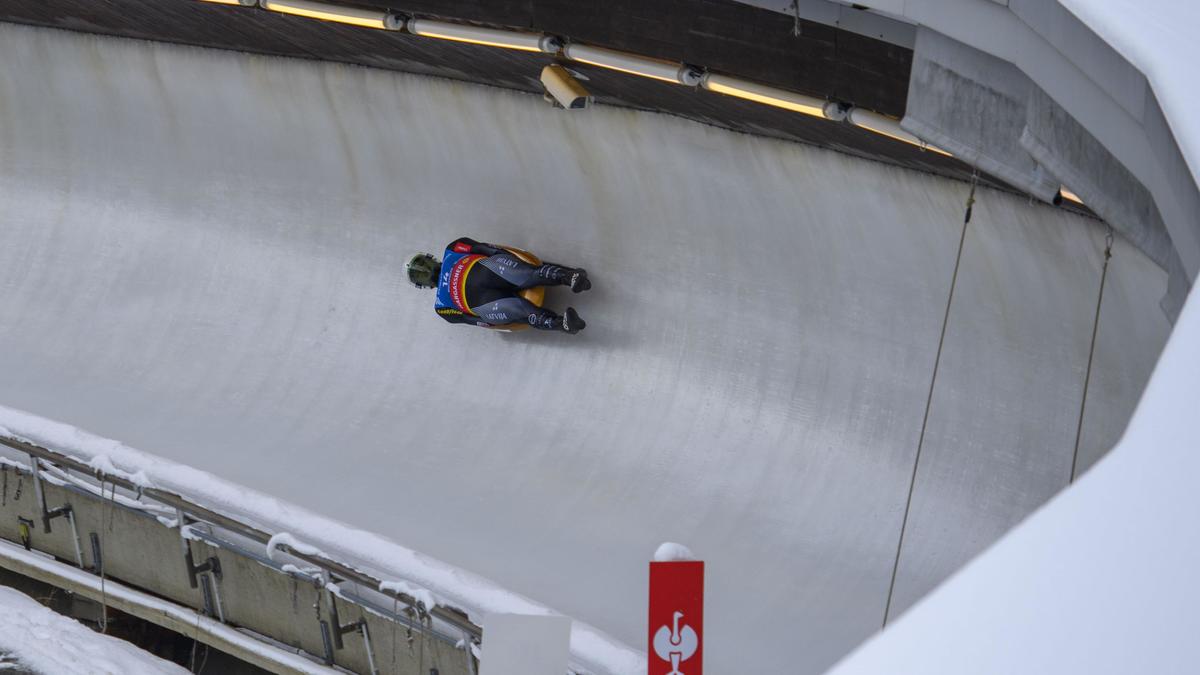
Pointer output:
x,y
479,282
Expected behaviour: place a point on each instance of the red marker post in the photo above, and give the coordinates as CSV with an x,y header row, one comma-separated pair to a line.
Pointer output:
x,y
676,617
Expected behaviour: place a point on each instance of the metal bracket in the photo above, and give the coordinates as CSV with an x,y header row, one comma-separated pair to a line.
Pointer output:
x,y
212,597
211,566
50,514
338,630
47,514
326,642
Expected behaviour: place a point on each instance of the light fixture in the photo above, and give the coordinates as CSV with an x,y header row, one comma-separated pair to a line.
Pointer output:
x,y
562,88
326,12
667,71
761,93
832,110
1068,195
889,127
491,37
243,3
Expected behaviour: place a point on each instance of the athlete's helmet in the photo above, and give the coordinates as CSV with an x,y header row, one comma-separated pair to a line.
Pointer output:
x,y
423,270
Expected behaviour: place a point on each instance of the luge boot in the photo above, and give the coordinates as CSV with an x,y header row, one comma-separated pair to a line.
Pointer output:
x,y
577,279
569,322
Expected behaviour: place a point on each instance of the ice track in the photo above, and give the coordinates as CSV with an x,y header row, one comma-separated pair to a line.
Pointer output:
x,y
201,255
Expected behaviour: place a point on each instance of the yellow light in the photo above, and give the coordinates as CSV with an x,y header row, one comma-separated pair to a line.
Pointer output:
x,y
1067,194
324,12
626,70
911,140
759,93
479,42
886,126
477,35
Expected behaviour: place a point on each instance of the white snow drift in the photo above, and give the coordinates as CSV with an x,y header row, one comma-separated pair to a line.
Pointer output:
x,y
47,642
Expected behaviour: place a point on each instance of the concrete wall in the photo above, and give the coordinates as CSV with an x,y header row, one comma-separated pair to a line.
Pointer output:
x,y
985,76
973,106
1014,66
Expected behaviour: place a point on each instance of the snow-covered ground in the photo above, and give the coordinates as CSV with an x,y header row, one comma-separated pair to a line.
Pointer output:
x,y
201,255
45,642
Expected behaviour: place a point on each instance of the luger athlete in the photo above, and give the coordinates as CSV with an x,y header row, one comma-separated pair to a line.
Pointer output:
x,y
478,284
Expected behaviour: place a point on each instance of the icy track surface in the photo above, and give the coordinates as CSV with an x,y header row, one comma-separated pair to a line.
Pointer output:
x,y
201,255
50,643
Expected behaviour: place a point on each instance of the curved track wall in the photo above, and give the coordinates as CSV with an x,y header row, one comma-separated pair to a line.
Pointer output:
x,y
201,254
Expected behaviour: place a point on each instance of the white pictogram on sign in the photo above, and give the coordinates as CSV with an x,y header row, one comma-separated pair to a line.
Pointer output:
x,y
675,644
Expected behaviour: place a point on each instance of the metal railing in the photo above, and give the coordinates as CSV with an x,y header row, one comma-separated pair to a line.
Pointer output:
x,y
337,571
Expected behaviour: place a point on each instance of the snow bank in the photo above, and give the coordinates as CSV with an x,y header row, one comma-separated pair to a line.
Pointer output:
x,y
425,577
50,643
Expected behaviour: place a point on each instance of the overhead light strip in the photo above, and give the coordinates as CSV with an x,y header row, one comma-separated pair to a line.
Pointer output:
x,y
889,127
625,62
658,69
325,12
490,37
761,93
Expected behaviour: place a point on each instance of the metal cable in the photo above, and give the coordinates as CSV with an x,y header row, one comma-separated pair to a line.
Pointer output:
x,y
937,360
1087,378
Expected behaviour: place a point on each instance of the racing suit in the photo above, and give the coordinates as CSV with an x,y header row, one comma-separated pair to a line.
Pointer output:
x,y
479,282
